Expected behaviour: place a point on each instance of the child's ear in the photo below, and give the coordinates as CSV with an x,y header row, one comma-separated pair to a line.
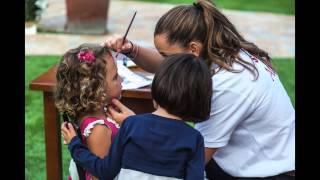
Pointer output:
x,y
155,104
195,48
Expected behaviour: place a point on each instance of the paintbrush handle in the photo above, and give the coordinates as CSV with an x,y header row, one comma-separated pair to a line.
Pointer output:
x,y
125,35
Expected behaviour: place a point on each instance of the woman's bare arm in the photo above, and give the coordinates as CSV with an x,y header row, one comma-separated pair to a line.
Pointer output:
x,y
148,59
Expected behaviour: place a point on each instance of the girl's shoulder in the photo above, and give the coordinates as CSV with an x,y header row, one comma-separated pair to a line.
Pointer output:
x,y
88,123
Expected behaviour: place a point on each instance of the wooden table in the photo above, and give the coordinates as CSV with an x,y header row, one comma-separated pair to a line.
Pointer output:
x,y
139,100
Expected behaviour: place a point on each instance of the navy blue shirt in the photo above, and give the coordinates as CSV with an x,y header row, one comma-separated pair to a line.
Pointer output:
x,y
151,144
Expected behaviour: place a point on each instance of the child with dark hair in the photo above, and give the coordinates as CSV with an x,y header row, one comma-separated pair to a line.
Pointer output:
x,y
158,145
87,80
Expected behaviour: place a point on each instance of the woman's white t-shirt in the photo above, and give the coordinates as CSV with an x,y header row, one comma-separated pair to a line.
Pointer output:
x,y
252,122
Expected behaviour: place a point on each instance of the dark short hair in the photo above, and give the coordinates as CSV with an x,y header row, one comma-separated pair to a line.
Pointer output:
x,y
183,87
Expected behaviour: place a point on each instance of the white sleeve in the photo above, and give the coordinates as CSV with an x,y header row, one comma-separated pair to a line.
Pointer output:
x,y
87,130
228,109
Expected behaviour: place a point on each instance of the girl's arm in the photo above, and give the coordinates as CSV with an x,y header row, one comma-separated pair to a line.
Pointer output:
x,y
99,141
106,168
147,58
195,167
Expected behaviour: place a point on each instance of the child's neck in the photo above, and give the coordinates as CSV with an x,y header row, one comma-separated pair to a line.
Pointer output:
x,y
162,112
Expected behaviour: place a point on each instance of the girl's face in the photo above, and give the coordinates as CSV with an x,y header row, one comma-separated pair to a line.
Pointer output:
x,y
113,80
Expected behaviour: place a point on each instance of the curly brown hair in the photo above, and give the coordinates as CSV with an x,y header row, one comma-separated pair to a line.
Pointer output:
x,y
81,86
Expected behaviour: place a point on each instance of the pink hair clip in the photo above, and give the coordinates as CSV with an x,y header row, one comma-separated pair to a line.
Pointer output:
x,y
87,56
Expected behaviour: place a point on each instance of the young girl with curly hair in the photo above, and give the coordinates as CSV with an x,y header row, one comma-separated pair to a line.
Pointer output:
x,y
87,80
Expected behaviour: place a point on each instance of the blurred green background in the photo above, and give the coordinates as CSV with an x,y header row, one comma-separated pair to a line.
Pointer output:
x,y
274,6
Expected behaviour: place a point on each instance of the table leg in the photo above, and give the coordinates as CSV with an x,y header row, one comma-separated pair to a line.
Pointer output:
x,y
52,138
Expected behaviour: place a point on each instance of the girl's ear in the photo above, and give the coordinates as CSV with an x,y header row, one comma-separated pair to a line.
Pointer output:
x,y
195,48
155,104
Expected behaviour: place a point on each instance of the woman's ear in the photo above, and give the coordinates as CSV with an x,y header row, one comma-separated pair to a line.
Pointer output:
x,y
155,104
195,48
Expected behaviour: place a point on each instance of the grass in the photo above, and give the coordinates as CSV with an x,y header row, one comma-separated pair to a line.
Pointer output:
x,y
285,68
275,6
35,167
34,127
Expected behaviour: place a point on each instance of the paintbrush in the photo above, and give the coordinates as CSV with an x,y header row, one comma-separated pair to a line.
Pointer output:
x,y
125,35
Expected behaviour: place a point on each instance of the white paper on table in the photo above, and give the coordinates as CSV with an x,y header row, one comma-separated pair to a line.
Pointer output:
x,y
131,80
122,57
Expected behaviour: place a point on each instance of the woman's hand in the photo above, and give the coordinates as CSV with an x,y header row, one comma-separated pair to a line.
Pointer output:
x,y
67,133
115,43
119,112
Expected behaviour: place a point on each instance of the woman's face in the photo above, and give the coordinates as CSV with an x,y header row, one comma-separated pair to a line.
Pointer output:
x,y
113,80
165,48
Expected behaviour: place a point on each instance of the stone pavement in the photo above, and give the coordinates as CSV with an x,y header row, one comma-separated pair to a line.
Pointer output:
x,y
274,33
